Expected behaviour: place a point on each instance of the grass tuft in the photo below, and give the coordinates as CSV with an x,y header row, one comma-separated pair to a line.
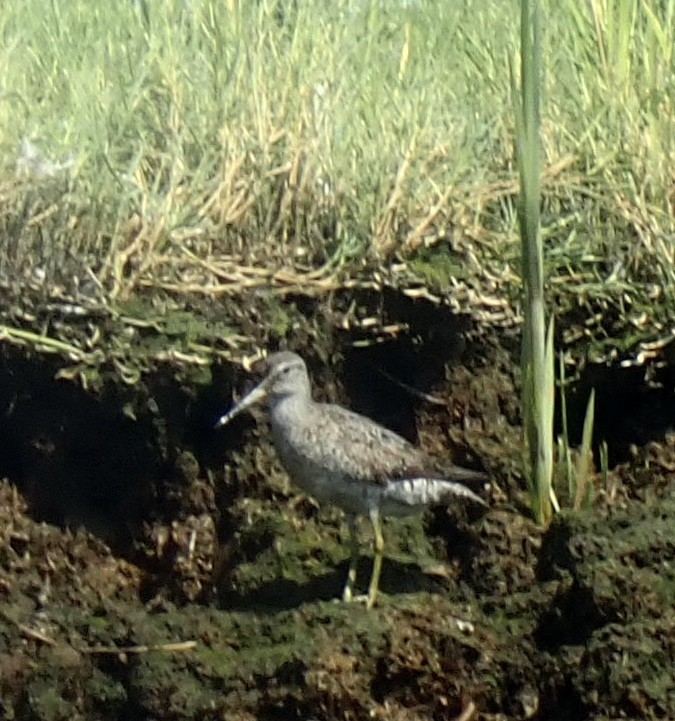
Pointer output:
x,y
158,145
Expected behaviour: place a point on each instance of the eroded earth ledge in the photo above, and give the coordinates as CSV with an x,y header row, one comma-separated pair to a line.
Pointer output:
x,y
151,568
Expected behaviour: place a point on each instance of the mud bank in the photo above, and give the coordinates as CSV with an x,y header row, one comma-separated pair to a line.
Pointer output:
x,y
152,569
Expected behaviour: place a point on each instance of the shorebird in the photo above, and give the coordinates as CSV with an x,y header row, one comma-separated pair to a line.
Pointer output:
x,y
346,459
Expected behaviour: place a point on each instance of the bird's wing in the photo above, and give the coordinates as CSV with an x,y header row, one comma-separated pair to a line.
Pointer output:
x,y
349,443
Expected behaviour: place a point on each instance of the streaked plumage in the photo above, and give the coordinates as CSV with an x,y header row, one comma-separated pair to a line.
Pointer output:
x,y
346,459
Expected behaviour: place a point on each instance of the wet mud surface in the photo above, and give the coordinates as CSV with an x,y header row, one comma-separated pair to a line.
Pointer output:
x,y
151,568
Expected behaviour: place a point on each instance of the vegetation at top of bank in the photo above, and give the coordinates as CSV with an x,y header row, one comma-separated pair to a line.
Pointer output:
x,y
209,148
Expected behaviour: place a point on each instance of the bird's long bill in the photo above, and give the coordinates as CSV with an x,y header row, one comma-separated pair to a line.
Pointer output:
x,y
257,394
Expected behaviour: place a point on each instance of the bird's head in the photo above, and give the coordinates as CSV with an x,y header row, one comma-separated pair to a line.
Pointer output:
x,y
285,375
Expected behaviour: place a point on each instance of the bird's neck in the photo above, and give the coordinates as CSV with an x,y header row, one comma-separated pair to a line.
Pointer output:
x,y
287,409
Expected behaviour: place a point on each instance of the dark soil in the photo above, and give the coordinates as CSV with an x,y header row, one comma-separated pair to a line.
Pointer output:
x,y
154,569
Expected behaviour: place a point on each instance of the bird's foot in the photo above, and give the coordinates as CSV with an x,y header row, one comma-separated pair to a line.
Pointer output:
x,y
359,598
367,598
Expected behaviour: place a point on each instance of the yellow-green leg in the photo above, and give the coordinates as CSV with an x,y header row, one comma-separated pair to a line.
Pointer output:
x,y
377,558
348,592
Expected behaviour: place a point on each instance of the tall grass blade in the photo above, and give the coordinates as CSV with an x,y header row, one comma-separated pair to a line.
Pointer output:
x,y
582,495
537,346
548,409
564,450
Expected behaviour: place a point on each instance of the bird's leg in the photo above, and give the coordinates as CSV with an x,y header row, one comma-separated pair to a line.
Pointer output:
x,y
348,592
377,558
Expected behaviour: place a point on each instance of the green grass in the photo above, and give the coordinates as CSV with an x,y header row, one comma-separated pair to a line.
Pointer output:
x,y
208,139
537,344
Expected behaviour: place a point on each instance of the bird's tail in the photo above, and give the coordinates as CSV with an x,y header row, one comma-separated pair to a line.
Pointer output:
x,y
468,477
410,493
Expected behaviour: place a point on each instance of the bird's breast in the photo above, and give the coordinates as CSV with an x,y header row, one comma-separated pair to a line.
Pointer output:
x,y
299,447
